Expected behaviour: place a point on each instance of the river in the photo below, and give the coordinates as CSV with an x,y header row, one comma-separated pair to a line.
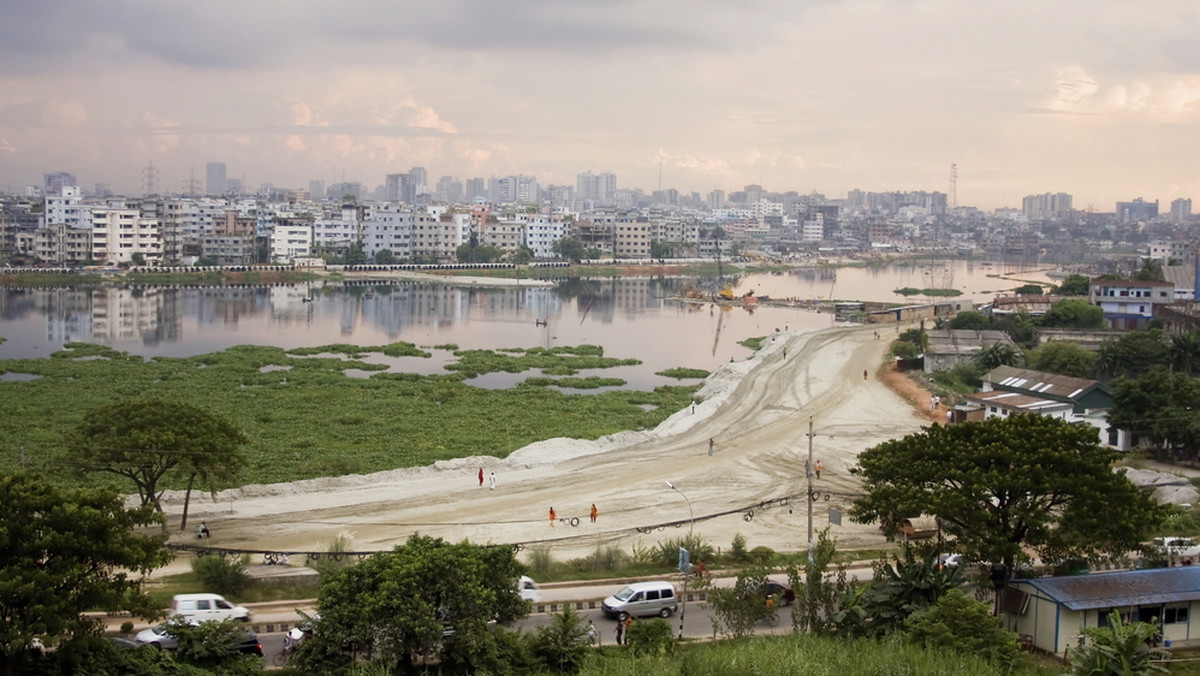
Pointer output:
x,y
629,317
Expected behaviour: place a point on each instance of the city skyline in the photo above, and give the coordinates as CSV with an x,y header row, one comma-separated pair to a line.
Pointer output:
x,y
1095,99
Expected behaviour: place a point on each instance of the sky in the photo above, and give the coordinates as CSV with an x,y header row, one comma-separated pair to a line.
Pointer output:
x,y
1097,98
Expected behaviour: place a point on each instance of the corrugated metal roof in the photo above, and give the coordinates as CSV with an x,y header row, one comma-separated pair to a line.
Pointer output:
x,y
1045,383
1017,400
1123,588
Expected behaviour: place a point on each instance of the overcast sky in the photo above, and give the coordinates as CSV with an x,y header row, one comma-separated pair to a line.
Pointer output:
x,y
1097,98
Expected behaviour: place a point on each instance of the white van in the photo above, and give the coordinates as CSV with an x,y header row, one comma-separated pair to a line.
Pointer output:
x,y
641,599
202,607
528,589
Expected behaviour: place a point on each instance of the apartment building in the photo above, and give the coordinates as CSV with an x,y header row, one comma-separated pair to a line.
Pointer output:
x,y
119,234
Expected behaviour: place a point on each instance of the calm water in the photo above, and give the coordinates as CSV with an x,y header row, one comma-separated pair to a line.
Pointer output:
x,y
631,318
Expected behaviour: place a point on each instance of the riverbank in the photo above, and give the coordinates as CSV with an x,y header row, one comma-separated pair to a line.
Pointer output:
x,y
756,412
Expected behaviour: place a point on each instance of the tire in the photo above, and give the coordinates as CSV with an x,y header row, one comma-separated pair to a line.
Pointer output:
x,y
665,612
622,616
280,659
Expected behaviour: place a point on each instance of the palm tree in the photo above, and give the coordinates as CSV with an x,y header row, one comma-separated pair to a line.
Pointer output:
x,y
1185,352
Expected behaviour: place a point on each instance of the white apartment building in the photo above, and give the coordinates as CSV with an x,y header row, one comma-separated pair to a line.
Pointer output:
x,y
67,209
289,241
506,236
434,238
118,234
337,232
632,239
541,234
388,229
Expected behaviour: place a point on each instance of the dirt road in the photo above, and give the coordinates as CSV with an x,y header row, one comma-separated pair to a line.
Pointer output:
x,y
756,412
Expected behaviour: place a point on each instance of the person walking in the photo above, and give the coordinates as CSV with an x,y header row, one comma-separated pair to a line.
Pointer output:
x,y
492,481
553,517
595,512
620,632
710,446
818,468
481,477
628,623
864,374
591,633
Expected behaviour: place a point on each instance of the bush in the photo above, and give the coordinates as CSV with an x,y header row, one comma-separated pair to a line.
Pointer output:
x,y
959,622
761,555
604,557
650,637
334,558
563,643
220,574
737,549
540,560
698,550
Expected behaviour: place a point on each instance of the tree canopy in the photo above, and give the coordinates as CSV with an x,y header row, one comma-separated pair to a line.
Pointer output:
x,y
1029,290
424,598
1075,285
63,552
1134,353
1004,484
145,440
570,249
1063,358
1160,407
1074,313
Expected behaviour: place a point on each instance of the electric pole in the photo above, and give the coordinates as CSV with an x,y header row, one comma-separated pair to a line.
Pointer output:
x,y
809,474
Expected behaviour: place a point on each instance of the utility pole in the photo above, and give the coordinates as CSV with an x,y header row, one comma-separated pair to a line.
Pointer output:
x,y
809,474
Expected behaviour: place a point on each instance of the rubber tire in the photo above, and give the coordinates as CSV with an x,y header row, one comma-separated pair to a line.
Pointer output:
x,y
622,616
665,612
280,659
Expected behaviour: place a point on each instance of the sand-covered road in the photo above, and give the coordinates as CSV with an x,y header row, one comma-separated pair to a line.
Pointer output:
x,y
756,411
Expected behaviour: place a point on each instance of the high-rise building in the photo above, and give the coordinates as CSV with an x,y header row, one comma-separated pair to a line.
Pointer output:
x,y
420,180
400,188
716,199
215,183
52,184
517,190
316,190
1181,209
600,188
1046,206
476,189
1137,210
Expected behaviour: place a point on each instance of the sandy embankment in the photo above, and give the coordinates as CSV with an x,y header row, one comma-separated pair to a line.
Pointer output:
x,y
756,411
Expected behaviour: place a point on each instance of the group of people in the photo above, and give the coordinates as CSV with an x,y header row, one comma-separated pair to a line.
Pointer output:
x,y
593,513
593,634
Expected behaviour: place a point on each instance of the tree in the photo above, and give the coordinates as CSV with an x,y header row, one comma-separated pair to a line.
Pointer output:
x,y
1074,313
1118,648
63,552
1134,353
466,253
970,319
737,609
897,591
145,440
960,623
522,255
385,257
563,643
820,593
999,354
1075,285
1159,407
1006,484
570,249
424,598
1063,358
1185,352
1029,290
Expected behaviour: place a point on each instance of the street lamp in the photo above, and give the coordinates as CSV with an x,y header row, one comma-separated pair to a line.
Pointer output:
x,y
692,523
686,573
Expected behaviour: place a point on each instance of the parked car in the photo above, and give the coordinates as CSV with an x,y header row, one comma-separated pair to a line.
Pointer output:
x,y
642,599
201,607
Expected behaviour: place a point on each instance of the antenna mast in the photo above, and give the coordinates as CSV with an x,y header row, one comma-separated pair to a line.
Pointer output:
x,y
150,179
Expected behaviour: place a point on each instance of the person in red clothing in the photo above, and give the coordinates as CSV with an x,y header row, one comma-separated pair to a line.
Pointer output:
x,y
595,513
553,517
481,477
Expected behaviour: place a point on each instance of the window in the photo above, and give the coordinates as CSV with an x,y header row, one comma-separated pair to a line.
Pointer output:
x,y
1175,615
652,595
202,605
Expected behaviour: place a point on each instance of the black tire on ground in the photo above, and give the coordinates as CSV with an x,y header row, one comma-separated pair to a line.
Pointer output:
x,y
280,659
621,617
665,612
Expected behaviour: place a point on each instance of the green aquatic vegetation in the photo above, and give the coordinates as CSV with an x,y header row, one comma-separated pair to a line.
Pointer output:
x,y
753,343
588,383
452,347
681,373
557,361
305,418
910,291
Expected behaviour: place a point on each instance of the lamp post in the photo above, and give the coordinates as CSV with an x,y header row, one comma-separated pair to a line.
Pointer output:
x,y
686,573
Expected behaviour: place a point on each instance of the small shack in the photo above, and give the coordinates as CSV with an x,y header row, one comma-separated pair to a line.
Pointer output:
x,y
1051,612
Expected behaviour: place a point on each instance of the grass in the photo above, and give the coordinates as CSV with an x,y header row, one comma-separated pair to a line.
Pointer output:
x,y
305,418
682,373
161,590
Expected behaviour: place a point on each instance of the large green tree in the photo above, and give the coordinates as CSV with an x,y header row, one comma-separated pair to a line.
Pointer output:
x,y
1074,313
63,552
1074,285
569,248
1063,358
425,598
1007,484
144,440
1134,353
1160,407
